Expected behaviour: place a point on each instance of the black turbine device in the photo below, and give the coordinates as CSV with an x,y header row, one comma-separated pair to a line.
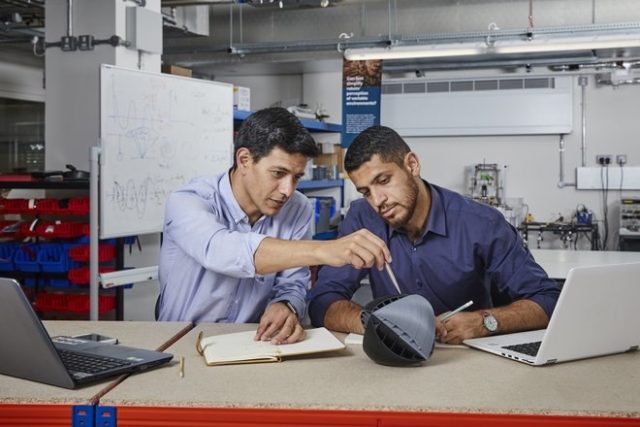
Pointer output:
x,y
399,330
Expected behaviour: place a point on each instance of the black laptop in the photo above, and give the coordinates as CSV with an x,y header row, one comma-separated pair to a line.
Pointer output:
x,y
28,352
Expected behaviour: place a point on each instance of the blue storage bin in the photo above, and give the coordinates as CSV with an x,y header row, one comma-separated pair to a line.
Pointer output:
x,y
30,282
60,283
82,240
53,258
7,251
26,258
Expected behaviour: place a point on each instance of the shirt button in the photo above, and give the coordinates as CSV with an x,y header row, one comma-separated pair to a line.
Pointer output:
x,y
415,249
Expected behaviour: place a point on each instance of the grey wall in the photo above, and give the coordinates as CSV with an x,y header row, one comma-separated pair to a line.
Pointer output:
x,y
72,78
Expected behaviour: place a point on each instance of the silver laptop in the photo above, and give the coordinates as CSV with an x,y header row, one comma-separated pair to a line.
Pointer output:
x,y
597,314
28,352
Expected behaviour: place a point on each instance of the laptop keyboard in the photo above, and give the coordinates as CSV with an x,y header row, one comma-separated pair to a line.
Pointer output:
x,y
90,364
530,348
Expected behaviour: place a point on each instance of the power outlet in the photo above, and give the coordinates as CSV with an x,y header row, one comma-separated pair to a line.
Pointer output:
x,y
604,159
621,159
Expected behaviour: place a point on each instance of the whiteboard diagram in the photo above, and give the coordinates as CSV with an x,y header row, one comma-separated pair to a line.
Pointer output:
x,y
157,132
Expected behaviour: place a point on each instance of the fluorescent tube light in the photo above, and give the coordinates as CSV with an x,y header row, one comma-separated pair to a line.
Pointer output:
x,y
418,51
499,47
567,45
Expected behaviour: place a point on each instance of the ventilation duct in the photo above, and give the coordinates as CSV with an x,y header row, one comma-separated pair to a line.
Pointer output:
x,y
487,106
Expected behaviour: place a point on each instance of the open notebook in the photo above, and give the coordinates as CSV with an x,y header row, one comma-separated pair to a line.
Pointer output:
x,y
240,347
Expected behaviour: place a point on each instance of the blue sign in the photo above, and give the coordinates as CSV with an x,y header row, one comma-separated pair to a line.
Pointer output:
x,y
361,81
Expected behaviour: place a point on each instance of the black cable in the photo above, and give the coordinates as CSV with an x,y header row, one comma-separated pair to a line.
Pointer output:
x,y
606,210
605,188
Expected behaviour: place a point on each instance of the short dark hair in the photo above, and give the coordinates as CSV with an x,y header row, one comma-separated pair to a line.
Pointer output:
x,y
379,140
274,127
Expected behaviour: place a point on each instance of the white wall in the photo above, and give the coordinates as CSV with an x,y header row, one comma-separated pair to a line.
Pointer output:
x,y
533,160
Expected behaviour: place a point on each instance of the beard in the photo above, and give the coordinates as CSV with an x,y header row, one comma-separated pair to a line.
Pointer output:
x,y
406,206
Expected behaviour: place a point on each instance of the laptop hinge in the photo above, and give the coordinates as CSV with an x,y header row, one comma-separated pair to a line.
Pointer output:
x,y
551,361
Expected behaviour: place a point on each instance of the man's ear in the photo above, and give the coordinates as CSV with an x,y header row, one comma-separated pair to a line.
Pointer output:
x,y
412,163
243,158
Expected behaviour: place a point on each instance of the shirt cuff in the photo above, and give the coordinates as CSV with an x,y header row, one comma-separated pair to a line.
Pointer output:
x,y
546,302
318,307
297,303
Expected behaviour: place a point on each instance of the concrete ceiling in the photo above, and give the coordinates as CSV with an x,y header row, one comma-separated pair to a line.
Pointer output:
x,y
247,37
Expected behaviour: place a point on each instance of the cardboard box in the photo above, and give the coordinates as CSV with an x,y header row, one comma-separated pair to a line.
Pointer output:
x,y
241,98
175,70
332,159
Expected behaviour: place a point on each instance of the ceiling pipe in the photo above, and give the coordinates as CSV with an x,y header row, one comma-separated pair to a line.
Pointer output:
x,y
177,3
561,183
70,18
582,81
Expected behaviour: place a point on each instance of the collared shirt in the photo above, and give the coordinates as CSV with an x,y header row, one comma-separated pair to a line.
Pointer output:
x,y
207,271
467,251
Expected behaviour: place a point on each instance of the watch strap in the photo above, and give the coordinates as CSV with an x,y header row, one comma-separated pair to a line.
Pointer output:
x,y
290,306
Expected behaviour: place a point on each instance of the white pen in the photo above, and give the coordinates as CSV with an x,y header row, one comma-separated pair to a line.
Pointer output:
x,y
392,277
457,310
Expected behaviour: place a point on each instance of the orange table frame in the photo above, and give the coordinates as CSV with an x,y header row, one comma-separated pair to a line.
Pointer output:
x,y
135,416
35,415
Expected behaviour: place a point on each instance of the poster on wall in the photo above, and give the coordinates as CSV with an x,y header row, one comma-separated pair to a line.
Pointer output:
x,y
361,81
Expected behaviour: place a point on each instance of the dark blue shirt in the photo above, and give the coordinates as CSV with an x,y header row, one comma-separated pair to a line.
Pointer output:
x,y
467,251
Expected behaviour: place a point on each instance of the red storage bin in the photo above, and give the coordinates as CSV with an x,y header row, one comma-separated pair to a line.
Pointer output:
x,y
79,206
30,207
29,229
80,303
59,229
81,253
49,207
73,303
51,302
9,228
13,206
80,276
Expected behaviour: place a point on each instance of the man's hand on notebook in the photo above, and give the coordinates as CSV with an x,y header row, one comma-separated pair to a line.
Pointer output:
x,y
280,325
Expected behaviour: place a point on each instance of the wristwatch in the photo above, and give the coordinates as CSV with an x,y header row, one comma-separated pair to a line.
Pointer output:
x,y
489,322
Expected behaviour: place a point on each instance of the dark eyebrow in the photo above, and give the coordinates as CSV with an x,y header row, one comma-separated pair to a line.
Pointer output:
x,y
375,178
280,169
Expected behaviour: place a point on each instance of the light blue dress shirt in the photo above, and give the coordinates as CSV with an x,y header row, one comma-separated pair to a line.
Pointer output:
x,y
207,271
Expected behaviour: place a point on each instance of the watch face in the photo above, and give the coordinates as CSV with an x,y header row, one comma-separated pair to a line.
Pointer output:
x,y
490,322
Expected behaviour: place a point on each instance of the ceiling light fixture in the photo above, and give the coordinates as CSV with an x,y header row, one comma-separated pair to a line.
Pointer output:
x,y
497,47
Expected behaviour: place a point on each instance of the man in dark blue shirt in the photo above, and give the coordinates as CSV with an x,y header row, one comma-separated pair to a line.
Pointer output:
x,y
444,246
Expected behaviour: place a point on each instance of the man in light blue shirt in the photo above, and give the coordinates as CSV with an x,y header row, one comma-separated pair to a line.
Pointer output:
x,y
236,246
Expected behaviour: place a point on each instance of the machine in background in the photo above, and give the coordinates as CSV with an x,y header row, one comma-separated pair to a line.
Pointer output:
x,y
629,233
486,184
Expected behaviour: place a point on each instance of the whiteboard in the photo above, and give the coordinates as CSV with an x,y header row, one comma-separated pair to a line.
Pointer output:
x,y
157,132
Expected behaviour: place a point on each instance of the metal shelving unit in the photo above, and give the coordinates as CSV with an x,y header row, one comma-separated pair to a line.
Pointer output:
x,y
70,185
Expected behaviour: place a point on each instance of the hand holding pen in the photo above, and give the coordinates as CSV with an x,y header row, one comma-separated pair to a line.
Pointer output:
x,y
456,311
450,334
